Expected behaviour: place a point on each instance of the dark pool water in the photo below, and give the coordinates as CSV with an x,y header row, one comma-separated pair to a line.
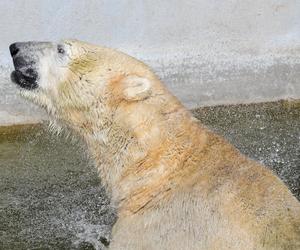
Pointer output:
x,y
50,195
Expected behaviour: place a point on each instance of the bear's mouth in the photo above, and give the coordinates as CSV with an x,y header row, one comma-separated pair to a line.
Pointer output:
x,y
26,81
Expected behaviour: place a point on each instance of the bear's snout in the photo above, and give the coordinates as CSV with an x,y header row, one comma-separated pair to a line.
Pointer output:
x,y
22,56
25,74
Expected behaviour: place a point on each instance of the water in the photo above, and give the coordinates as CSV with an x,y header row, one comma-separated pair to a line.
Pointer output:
x,y
51,196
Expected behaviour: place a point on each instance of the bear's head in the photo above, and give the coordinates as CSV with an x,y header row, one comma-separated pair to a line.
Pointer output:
x,y
114,101
77,82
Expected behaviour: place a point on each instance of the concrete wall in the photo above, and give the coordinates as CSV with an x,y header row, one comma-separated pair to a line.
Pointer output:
x,y
207,51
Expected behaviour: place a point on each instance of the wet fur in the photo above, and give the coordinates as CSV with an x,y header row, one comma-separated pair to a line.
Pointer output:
x,y
175,184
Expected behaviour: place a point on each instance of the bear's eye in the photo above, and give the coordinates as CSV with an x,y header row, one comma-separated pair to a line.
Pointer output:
x,y
60,49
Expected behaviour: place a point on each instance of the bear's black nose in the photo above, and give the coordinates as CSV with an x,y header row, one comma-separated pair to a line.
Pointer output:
x,y
14,49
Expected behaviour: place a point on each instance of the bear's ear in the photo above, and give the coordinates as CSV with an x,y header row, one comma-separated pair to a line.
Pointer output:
x,y
136,88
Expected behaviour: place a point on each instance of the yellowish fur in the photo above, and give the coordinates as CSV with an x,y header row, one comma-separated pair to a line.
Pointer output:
x,y
175,184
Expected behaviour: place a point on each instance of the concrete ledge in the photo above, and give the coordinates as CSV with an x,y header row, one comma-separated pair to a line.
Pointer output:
x,y
236,79
9,119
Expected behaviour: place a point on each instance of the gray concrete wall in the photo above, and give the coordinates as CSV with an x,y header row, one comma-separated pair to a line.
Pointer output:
x,y
208,52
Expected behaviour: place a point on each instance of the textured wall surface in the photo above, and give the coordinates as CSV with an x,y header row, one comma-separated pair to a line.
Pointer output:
x,y
207,51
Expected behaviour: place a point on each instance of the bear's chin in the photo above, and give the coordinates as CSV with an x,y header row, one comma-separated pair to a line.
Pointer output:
x,y
39,98
32,95
23,81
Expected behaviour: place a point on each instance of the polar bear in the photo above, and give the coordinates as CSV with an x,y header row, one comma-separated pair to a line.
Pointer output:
x,y
175,184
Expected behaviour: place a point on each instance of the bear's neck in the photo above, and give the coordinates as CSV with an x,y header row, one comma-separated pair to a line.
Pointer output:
x,y
140,165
